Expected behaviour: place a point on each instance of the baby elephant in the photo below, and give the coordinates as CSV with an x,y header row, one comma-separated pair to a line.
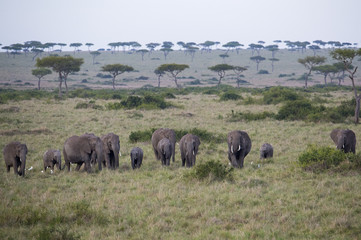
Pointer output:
x,y
165,150
266,151
51,158
15,156
136,156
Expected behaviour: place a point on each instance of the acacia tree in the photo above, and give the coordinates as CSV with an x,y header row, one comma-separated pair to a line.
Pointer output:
x,y
325,70
346,56
40,73
75,46
94,55
173,70
116,69
143,52
221,71
62,65
257,60
309,63
89,45
238,71
159,73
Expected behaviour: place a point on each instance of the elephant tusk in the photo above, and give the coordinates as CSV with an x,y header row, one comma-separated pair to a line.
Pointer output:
x,y
193,153
239,148
232,149
120,154
30,168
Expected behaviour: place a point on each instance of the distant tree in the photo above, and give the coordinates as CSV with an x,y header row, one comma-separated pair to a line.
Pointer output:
x,y
238,71
257,60
36,52
340,73
49,46
320,43
334,44
173,69
191,50
7,48
273,49
94,55
75,46
40,73
116,69
309,63
207,45
325,70
142,52
224,56
181,44
160,74
16,49
166,51
61,45
134,46
152,46
221,71
62,65
89,45
314,48
273,60
256,47
346,56
234,45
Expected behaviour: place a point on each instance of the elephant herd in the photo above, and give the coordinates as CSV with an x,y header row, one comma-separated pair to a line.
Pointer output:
x,y
104,151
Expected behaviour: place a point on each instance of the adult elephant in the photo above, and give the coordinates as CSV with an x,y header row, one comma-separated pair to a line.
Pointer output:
x,y
158,135
15,156
164,149
239,145
80,149
345,139
111,148
52,157
188,146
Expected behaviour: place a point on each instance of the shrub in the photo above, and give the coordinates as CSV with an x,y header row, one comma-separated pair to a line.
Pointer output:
x,y
276,95
230,96
91,104
141,136
297,110
211,171
318,159
248,116
263,72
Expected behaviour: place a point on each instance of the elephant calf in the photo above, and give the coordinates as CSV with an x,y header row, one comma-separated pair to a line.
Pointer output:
x,y
136,156
111,148
15,156
188,146
239,145
51,158
165,149
345,140
266,151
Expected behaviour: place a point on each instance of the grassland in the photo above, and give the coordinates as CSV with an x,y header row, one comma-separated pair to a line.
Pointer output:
x,y
273,199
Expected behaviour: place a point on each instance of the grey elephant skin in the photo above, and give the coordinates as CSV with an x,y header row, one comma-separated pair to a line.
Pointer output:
x,y
136,157
158,135
266,151
51,158
111,148
345,140
81,149
15,156
164,149
239,145
188,146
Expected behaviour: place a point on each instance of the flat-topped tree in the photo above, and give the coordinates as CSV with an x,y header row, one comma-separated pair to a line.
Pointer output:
x,y
346,56
40,73
221,69
238,71
75,46
116,69
325,70
159,74
309,63
89,45
94,55
173,70
257,60
62,65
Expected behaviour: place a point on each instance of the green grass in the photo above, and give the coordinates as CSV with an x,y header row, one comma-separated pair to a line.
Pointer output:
x,y
266,199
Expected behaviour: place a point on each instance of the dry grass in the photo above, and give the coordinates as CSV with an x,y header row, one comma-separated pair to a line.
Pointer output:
x,y
267,200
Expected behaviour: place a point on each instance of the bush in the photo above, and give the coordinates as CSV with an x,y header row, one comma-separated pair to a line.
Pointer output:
x,y
297,110
263,72
276,95
91,104
248,116
230,96
211,171
318,159
141,136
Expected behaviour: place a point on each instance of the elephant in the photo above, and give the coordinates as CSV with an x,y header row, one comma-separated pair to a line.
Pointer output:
x,y
15,156
52,157
158,135
239,145
266,151
111,148
165,150
83,149
188,146
136,156
345,140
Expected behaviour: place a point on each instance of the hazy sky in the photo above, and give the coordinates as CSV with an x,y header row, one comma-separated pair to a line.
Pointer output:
x,y
246,21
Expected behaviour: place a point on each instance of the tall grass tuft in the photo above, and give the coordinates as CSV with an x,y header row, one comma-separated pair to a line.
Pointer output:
x,y
211,171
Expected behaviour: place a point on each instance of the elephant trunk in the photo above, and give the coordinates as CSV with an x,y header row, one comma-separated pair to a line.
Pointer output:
x,y
100,154
116,149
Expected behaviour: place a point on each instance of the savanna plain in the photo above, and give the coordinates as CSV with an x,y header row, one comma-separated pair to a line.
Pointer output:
x,y
267,199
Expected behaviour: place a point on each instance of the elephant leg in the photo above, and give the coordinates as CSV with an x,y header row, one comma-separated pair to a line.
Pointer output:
x,y
45,167
78,166
8,168
16,166
183,161
87,166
